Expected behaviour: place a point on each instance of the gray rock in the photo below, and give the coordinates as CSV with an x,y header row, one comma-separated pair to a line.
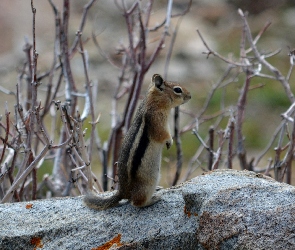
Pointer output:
x,y
224,209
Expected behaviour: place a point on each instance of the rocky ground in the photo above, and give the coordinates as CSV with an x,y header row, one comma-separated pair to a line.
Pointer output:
x,y
220,25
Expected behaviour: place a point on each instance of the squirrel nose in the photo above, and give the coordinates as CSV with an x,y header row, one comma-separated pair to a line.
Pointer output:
x,y
188,97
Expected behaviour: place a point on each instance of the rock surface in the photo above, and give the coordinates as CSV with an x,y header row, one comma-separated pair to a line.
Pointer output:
x,y
224,209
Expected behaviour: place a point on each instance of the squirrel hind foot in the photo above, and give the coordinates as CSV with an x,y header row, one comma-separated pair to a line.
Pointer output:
x,y
143,202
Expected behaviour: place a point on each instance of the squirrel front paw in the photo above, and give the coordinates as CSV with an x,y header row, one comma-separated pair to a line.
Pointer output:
x,y
169,143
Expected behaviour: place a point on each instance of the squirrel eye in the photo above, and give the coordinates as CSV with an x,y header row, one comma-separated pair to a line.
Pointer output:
x,y
177,90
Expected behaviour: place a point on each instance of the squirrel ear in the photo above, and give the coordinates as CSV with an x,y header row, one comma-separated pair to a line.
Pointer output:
x,y
158,81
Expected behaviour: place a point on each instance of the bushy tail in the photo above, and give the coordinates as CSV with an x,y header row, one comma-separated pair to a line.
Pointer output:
x,y
101,203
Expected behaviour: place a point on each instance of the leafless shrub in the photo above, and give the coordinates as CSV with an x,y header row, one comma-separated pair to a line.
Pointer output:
x,y
28,141
251,64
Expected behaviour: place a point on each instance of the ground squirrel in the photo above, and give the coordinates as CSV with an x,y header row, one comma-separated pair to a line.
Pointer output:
x,y
140,157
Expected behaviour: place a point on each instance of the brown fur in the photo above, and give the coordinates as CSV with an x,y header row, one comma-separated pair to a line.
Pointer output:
x,y
140,158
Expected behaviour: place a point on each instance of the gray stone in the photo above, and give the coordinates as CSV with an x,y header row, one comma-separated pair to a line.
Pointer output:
x,y
224,209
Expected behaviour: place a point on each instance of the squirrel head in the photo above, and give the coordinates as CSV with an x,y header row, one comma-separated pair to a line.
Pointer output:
x,y
167,94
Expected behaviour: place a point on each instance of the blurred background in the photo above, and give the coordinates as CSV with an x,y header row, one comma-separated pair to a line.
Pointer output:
x,y
220,25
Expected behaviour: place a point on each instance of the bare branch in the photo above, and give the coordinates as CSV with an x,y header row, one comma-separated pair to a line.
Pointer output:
x,y
219,151
212,52
231,128
261,59
211,148
287,162
5,140
259,36
102,53
172,16
240,119
68,76
168,16
23,176
178,146
82,24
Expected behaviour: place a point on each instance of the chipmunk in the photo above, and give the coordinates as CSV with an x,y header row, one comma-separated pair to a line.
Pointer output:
x,y
140,157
